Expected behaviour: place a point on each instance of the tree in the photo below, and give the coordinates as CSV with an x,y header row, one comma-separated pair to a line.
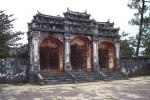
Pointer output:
x,y
21,51
7,37
126,50
141,7
146,40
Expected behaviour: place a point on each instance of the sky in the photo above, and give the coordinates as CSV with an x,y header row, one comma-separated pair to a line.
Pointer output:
x,y
101,10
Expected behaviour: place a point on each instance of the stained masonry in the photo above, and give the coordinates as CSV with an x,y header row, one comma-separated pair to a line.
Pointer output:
x,y
74,42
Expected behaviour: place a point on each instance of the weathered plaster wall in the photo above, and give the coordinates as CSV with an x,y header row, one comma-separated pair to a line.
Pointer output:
x,y
135,66
13,70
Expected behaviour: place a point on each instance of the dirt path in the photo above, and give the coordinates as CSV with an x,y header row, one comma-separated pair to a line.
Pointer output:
x,y
132,89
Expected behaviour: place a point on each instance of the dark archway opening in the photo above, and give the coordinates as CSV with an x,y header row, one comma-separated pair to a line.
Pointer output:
x,y
103,58
49,55
49,58
78,57
80,54
106,56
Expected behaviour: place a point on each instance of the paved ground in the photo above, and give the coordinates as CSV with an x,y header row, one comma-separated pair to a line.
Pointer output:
x,y
132,89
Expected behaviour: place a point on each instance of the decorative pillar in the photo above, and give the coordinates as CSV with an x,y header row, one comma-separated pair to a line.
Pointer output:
x,y
34,55
95,54
117,50
31,52
67,63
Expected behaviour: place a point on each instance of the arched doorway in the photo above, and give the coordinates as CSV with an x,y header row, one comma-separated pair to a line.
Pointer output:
x,y
80,54
106,56
51,55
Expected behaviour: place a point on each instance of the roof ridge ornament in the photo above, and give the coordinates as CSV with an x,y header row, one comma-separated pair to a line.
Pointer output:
x,y
38,12
85,11
68,10
108,20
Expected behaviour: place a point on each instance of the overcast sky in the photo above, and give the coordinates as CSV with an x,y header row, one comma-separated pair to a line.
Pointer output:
x,y
101,10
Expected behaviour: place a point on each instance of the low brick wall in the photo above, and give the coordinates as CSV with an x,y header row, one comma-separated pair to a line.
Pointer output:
x,y
13,70
136,66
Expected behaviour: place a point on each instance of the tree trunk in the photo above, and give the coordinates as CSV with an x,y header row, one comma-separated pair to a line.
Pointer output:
x,y
140,28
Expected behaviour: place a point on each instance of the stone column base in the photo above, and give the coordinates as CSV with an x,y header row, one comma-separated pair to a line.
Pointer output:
x,y
95,66
67,67
117,63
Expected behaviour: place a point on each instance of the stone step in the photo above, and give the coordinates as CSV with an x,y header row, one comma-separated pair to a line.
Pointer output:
x,y
114,75
84,73
79,77
94,78
86,76
56,78
56,82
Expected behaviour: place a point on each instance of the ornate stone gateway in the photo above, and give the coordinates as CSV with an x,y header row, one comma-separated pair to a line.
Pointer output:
x,y
71,43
